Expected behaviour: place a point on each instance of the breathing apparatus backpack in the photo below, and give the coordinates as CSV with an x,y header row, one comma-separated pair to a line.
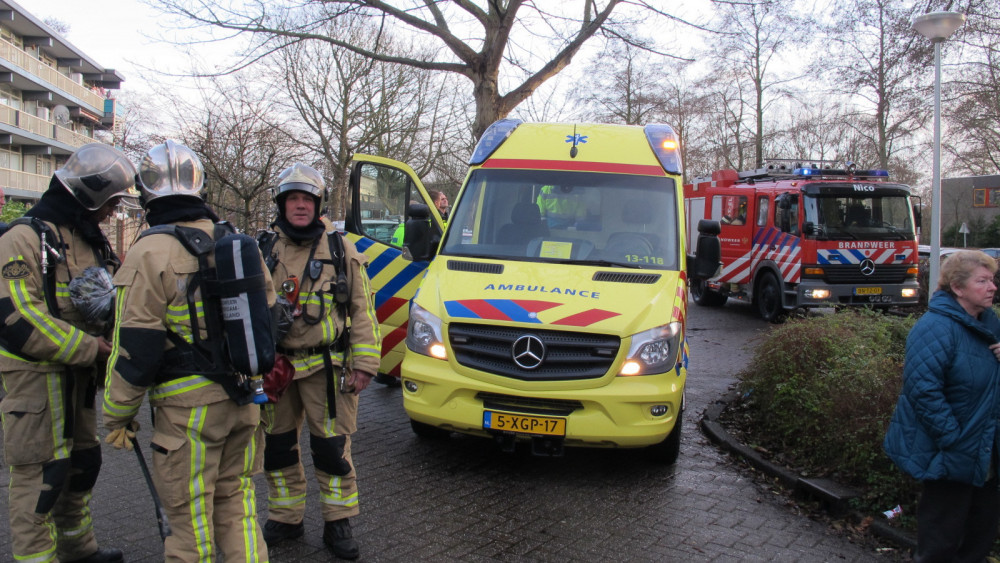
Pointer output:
x,y
240,344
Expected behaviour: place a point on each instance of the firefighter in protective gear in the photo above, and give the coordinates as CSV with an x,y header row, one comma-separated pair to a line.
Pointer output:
x,y
560,207
50,357
331,368
203,441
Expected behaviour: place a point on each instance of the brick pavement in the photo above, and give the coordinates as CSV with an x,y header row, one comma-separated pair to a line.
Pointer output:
x,y
463,500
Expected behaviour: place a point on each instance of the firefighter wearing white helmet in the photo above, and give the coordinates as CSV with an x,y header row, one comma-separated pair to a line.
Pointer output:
x,y
323,278
203,438
50,357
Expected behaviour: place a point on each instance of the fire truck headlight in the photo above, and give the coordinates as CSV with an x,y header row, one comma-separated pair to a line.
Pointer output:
x,y
818,293
909,292
423,334
653,351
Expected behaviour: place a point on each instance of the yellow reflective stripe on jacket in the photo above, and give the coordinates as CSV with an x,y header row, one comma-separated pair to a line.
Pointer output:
x,y
365,347
66,341
311,301
8,354
177,386
178,320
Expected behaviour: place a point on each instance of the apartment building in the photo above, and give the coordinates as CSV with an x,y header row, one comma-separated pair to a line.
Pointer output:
x,y
53,98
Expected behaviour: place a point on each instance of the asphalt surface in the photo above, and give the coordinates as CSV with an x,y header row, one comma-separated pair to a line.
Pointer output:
x,y
463,500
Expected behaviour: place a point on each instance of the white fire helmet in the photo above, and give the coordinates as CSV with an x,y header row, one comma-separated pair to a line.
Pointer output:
x,y
299,177
170,169
95,173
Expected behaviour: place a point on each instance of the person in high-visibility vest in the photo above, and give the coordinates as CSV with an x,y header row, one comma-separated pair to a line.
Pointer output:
x,y
560,207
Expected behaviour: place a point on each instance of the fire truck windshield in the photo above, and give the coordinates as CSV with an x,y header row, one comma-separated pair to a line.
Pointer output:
x,y
568,217
858,217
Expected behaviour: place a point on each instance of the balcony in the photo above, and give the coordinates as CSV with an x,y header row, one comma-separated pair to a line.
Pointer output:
x,y
35,67
15,182
40,127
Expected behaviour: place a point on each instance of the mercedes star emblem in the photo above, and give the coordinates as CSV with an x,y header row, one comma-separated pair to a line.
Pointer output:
x,y
867,267
528,351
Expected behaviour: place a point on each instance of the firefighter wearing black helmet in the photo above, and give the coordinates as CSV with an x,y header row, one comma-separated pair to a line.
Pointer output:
x,y
203,439
332,365
50,358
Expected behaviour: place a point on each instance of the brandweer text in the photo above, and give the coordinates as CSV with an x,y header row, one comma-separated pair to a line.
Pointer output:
x,y
543,289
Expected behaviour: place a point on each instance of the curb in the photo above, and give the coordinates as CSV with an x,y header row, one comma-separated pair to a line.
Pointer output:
x,y
833,496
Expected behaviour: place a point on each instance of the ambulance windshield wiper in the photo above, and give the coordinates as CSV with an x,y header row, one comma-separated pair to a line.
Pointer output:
x,y
606,263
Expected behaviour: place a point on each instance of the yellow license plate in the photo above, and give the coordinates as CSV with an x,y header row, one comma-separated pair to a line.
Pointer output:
x,y
867,291
524,424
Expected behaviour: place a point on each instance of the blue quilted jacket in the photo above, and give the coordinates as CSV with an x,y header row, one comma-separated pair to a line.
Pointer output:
x,y
946,421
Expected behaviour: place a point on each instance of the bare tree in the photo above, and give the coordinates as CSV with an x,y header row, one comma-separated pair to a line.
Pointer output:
x,y
241,148
973,106
622,86
523,42
756,34
881,62
348,103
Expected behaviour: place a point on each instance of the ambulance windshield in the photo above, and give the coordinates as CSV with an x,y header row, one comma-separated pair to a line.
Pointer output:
x,y
859,217
567,217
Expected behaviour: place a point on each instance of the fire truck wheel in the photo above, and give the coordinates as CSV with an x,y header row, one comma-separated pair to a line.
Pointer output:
x,y
669,449
706,297
428,432
769,299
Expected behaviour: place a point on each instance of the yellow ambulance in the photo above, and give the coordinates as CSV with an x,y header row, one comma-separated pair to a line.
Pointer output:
x,y
551,310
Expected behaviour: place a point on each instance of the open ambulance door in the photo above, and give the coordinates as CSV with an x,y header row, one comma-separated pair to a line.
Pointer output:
x,y
382,195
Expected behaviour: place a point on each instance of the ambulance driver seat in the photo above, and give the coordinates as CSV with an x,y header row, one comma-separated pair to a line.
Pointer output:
x,y
638,215
525,224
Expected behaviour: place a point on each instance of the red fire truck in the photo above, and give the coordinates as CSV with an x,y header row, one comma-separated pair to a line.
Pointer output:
x,y
804,234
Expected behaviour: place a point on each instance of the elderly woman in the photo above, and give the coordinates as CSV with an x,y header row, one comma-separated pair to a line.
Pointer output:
x,y
944,431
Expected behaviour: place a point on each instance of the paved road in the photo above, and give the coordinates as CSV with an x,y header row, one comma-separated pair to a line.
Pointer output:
x,y
462,500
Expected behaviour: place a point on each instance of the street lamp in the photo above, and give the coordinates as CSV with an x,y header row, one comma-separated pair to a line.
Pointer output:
x,y
938,27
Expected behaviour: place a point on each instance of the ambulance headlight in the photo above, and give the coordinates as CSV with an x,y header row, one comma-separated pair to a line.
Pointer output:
x,y
423,334
653,351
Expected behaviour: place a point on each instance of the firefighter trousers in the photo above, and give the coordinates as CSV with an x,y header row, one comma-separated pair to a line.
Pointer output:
x,y
330,445
203,459
51,446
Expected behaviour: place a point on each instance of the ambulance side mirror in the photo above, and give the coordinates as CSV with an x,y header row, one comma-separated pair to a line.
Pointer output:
x,y
706,261
419,239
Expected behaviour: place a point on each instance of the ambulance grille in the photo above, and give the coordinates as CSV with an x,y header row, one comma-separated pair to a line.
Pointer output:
x,y
851,273
479,267
529,405
568,355
618,277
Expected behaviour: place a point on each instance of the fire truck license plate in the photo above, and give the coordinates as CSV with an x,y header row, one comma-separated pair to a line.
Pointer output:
x,y
867,291
522,424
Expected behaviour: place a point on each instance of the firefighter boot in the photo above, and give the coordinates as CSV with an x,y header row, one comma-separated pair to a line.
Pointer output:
x,y
276,532
338,537
103,555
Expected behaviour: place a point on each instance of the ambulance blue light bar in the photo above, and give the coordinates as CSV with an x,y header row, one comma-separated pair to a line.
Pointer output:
x,y
665,145
811,172
491,140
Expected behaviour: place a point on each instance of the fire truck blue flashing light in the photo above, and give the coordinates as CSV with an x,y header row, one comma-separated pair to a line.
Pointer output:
x,y
665,145
491,140
807,172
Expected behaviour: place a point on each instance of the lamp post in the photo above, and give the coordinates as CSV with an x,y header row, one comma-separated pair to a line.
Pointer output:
x,y
938,27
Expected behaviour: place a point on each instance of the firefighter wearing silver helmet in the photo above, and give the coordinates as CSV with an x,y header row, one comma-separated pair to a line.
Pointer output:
x,y
51,356
205,440
324,279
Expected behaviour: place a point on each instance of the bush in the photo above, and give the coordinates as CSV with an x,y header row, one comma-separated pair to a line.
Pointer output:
x,y
821,390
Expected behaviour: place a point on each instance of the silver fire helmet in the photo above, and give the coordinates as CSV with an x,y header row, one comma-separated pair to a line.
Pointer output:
x,y
170,169
299,177
95,173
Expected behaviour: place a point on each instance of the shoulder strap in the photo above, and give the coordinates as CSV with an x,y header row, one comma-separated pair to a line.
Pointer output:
x,y
47,252
265,241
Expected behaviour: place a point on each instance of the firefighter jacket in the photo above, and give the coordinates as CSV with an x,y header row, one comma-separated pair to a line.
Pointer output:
x,y
152,299
318,325
32,339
